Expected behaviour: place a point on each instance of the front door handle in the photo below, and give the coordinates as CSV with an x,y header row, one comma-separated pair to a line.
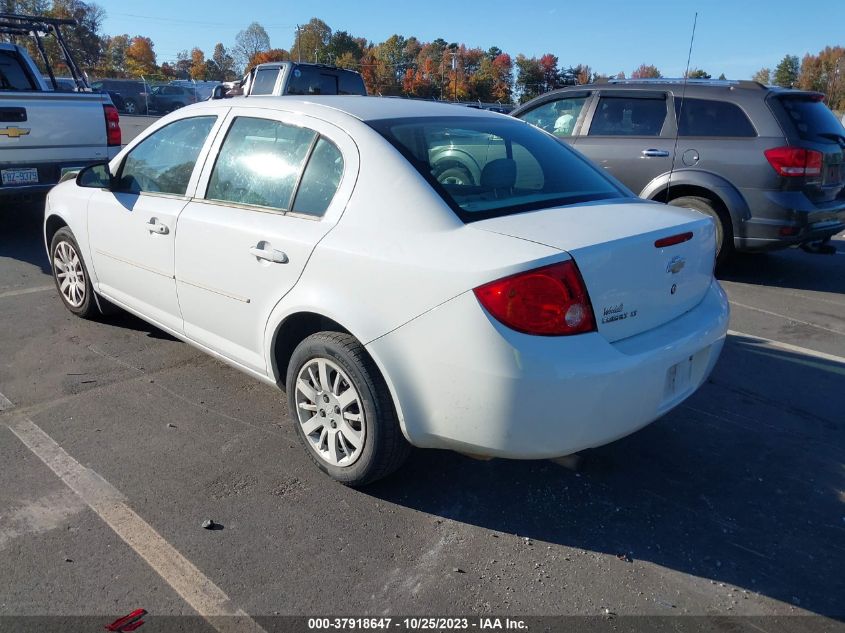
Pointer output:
x,y
154,226
269,254
655,153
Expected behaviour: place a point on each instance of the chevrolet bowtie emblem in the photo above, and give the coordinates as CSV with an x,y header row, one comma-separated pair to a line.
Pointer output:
x,y
14,132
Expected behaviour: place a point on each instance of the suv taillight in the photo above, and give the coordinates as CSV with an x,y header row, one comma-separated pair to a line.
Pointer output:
x,y
794,161
547,301
113,136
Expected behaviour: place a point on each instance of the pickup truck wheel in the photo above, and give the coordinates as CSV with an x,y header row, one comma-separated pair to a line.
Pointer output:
x,y
724,228
71,275
343,411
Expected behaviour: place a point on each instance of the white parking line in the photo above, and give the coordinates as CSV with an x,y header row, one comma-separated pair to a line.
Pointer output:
x,y
26,291
196,589
787,318
787,347
5,403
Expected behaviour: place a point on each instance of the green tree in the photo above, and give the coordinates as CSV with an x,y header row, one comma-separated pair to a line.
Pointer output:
x,y
311,41
529,77
763,76
341,43
722,77
248,43
697,73
786,73
222,66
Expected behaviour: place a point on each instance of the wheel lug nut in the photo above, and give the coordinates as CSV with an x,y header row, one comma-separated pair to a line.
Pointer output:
x,y
322,413
337,409
325,398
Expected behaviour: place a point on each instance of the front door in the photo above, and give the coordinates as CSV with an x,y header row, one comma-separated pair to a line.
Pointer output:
x,y
631,135
278,185
132,227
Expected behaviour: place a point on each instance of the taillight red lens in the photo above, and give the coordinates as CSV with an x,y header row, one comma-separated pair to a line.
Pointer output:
x,y
795,161
547,301
113,135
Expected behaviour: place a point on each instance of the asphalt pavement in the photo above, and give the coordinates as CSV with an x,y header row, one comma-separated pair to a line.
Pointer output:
x,y
117,442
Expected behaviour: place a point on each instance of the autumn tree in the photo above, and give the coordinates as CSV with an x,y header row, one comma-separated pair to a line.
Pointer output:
x,y
763,76
786,73
199,68
697,73
248,43
550,71
311,41
272,55
583,74
646,71
825,73
140,57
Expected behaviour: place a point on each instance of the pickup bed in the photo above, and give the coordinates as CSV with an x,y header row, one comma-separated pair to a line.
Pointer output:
x,y
45,133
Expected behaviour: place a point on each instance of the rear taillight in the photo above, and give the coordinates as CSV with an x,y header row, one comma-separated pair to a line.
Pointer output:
x,y
113,136
794,161
547,301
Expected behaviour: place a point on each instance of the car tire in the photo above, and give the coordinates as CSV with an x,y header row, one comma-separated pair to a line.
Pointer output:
x,y
71,275
348,425
724,227
455,175
130,107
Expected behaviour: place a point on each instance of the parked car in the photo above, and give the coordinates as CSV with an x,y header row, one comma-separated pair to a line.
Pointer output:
x,y
45,133
167,98
294,78
117,100
539,311
765,163
135,93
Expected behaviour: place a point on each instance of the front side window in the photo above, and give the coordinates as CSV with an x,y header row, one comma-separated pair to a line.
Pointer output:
x,y
705,117
164,161
495,166
557,117
628,116
260,163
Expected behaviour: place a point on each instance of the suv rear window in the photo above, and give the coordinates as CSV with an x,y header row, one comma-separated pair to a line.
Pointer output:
x,y
810,117
706,117
487,167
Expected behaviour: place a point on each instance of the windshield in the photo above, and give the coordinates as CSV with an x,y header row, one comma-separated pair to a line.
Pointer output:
x,y
486,167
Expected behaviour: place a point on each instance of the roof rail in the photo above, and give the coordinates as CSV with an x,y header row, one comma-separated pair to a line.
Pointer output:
x,y
743,83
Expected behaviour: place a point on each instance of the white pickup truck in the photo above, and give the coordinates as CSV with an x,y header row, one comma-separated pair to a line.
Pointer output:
x,y
45,132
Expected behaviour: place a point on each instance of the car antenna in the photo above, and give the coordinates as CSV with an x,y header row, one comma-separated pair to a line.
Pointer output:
x,y
680,110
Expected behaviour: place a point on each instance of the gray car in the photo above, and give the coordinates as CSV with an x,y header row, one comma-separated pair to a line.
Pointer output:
x,y
766,163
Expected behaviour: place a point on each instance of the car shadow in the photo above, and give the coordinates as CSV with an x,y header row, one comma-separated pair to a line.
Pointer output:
x,y
20,233
741,485
791,268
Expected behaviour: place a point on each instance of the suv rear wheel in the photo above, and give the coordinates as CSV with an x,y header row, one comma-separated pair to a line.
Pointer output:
x,y
724,228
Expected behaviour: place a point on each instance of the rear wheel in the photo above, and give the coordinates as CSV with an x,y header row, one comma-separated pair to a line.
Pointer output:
x,y
71,275
129,106
455,175
342,410
724,228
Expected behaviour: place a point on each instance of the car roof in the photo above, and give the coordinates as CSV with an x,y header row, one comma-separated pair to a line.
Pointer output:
x,y
359,107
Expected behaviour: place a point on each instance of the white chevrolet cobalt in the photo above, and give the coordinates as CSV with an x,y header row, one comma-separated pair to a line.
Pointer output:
x,y
411,273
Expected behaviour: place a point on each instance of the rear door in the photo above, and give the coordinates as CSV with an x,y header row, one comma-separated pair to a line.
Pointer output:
x,y
631,134
278,184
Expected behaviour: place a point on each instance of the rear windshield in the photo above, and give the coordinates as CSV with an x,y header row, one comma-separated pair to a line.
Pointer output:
x,y
811,118
487,167
12,73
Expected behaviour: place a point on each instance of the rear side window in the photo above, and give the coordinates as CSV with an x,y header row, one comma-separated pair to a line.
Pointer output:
x,y
164,161
320,180
628,116
705,117
265,81
811,118
492,166
12,74
259,163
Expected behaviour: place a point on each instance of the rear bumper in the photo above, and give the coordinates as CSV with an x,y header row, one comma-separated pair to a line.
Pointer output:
x,y
462,381
49,175
789,219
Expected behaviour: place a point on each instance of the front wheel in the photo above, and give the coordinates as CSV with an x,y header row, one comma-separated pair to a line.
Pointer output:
x,y
724,228
71,275
342,410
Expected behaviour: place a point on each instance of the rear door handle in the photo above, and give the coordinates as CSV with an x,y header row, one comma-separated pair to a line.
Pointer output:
x,y
655,153
154,226
269,254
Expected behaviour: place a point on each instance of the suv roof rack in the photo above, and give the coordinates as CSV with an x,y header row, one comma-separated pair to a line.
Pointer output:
x,y
742,83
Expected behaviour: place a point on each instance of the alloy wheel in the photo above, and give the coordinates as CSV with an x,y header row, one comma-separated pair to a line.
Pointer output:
x,y
67,267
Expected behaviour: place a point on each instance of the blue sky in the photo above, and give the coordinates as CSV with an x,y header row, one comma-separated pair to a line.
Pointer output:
x,y
736,37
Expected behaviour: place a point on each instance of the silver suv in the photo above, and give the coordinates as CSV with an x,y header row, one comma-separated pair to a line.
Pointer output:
x,y
766,163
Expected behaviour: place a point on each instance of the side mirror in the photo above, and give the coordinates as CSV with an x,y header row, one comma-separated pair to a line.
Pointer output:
x,y
218,92
95,176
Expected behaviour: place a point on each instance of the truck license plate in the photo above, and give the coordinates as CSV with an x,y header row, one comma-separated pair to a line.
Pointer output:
x,y
22,176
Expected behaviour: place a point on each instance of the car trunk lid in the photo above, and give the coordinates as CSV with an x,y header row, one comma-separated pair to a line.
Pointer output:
x,y
634,284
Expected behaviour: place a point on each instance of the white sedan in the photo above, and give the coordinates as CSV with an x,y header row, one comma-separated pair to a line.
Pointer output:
x,y
410,273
